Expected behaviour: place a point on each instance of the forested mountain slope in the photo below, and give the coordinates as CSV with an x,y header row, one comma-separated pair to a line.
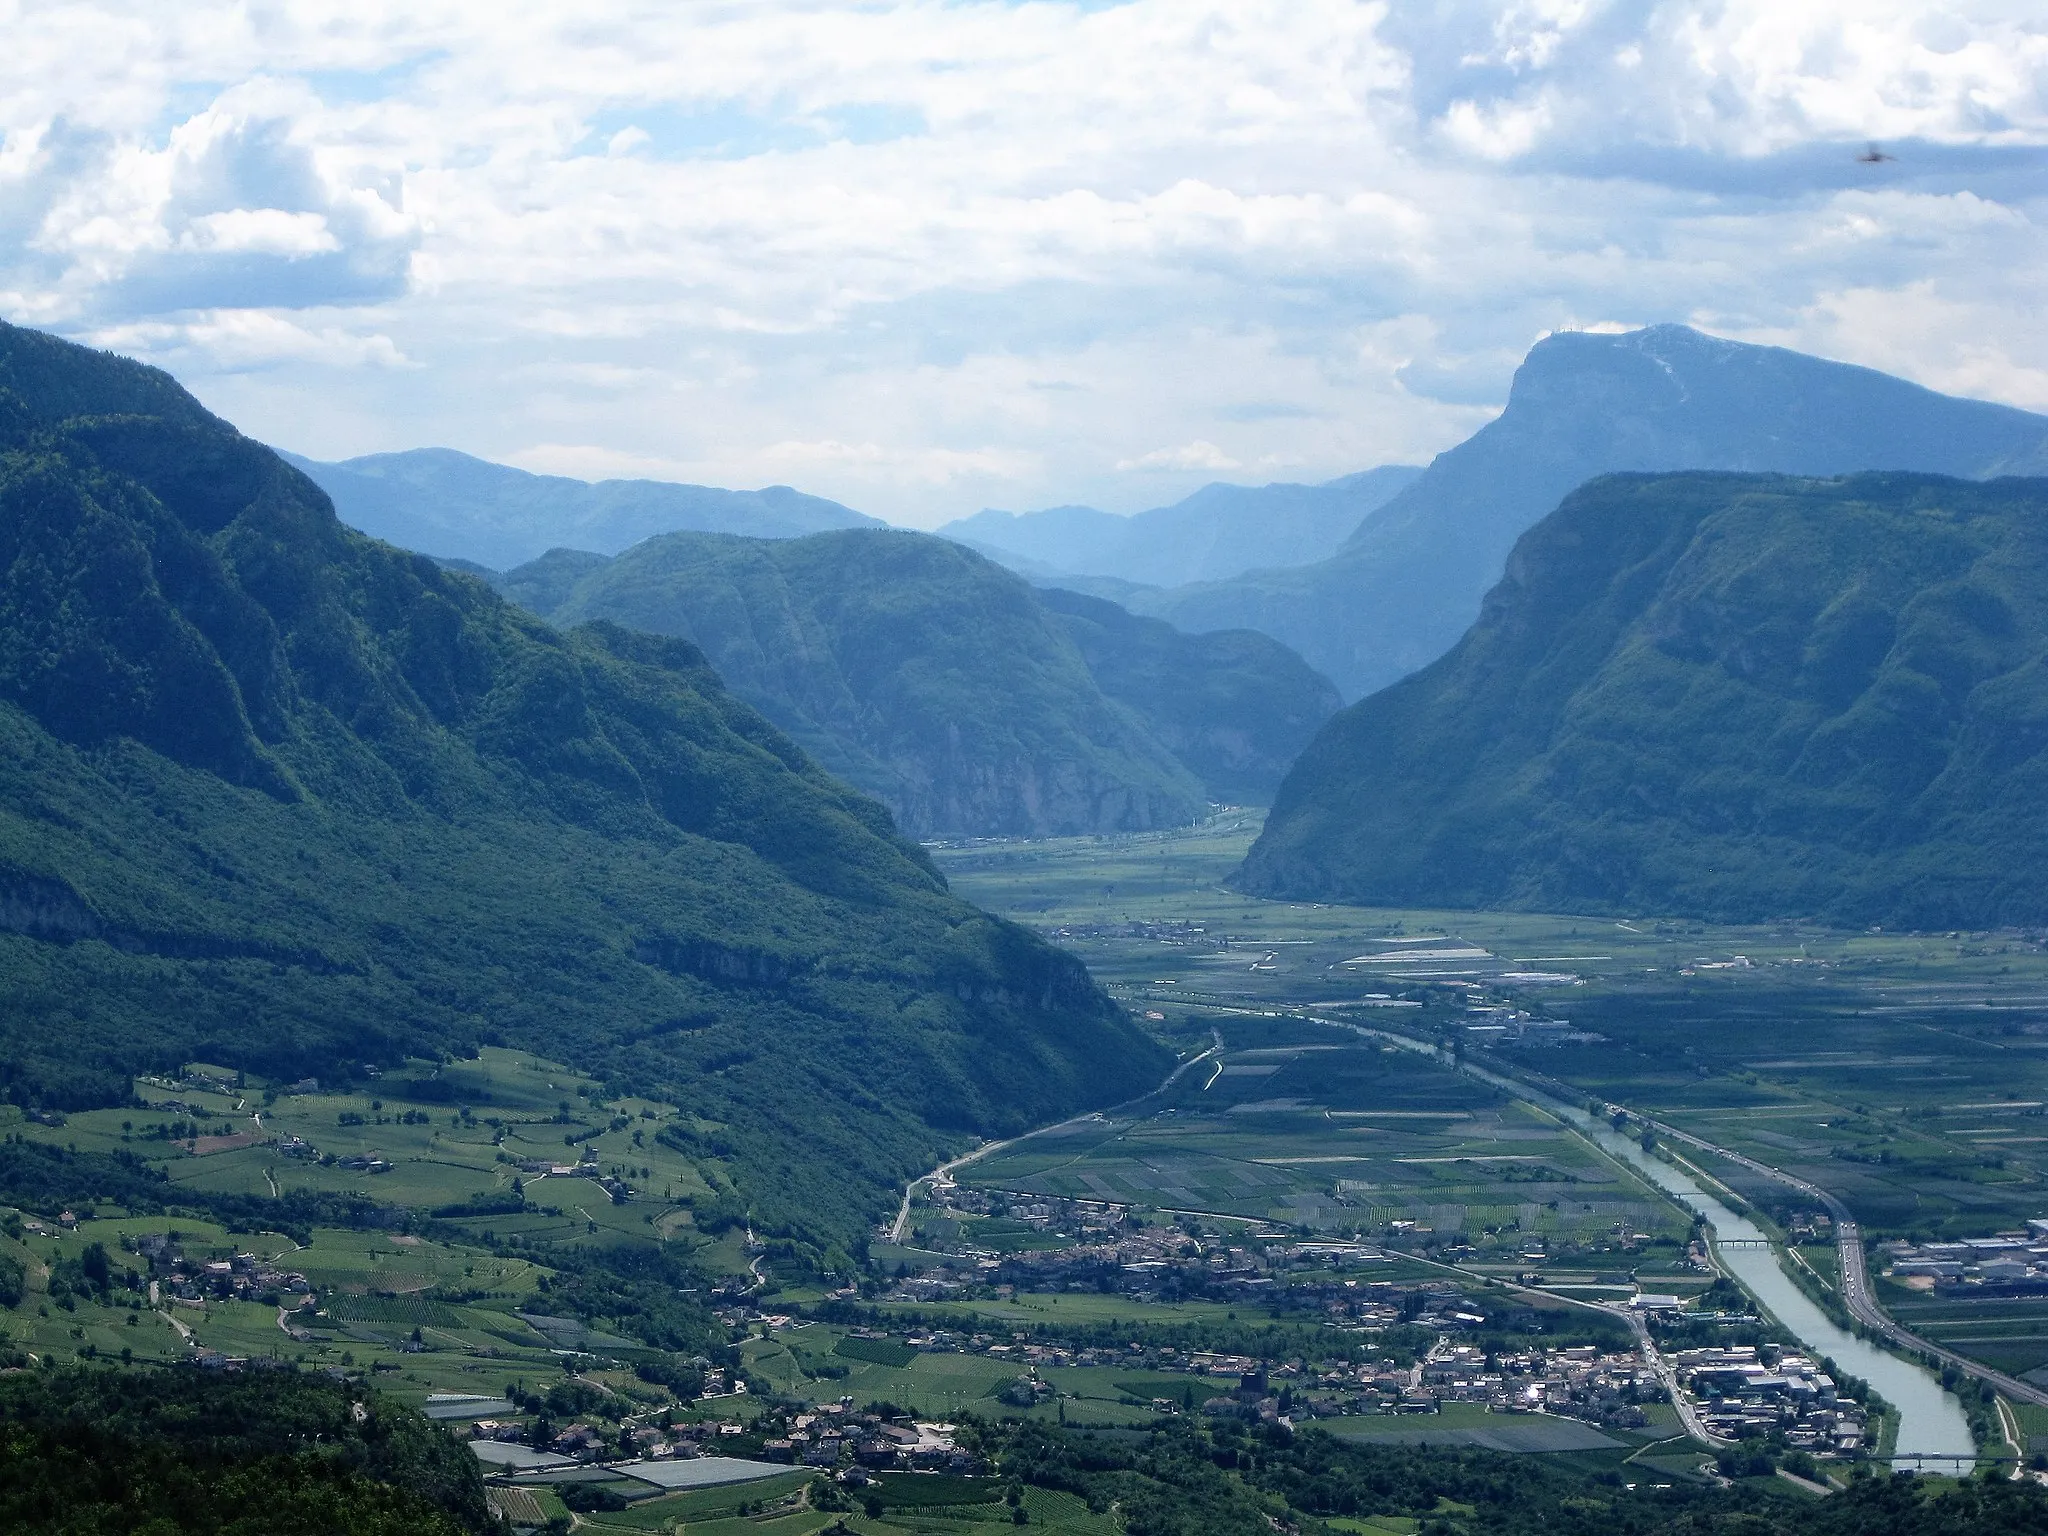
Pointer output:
x,y
1235,706
1409,581
1733,696
273,794
183,1452
905,664
448,504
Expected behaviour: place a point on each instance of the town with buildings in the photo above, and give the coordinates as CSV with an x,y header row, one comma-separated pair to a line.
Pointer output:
x,y
1741,1392
2006,1264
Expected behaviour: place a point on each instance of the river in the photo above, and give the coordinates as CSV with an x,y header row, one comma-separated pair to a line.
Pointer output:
x,y
1931,1421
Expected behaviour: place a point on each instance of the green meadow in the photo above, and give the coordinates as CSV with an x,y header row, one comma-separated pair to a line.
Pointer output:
x,y
419,1308
448,1134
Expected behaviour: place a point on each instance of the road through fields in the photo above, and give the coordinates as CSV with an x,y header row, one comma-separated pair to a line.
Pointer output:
x,y
901,1226
1932,1426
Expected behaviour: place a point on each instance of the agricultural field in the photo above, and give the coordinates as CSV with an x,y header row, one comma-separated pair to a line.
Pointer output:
x,y
372,1313
904,1504
701,1508
820,1362
2009,1334
1321,1129
1905,1073
1028,1309
448,1139
449,1304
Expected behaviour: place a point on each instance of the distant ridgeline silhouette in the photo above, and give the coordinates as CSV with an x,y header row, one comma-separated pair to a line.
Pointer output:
x,y
449,505
1219,531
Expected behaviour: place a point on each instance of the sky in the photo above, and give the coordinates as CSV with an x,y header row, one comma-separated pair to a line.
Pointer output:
x,y
930,257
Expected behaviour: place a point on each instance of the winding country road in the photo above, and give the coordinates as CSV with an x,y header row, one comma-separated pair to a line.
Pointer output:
x,y
901,1225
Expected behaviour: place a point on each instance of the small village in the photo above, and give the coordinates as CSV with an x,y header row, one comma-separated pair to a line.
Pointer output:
x,y
245,1277
831,1436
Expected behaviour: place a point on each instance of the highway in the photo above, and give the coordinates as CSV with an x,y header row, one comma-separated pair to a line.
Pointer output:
x,y
1856,1292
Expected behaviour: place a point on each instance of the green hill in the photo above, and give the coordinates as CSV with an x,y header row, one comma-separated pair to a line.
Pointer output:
x,y
1235,706
907,665
1735,696
279,797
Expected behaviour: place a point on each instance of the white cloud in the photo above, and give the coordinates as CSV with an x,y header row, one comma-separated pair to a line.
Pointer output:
x,y
241,340
1195,455
919,255
1945,342
259,231
909,465
584,461
1499,131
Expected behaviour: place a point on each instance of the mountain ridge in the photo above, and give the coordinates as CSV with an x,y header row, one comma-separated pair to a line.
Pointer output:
x,y
1410,578
1731,696
448,504
1234,705
970,703
275,795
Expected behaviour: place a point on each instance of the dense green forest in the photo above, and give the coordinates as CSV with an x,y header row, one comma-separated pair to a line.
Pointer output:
x,y
279,797
908,665
1731,696
182,1452
1233,1480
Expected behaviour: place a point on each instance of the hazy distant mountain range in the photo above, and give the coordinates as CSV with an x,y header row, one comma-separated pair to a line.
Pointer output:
x,y
1219,531
1409,580
449,505
970,703
907,665
1367,577
1735,696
